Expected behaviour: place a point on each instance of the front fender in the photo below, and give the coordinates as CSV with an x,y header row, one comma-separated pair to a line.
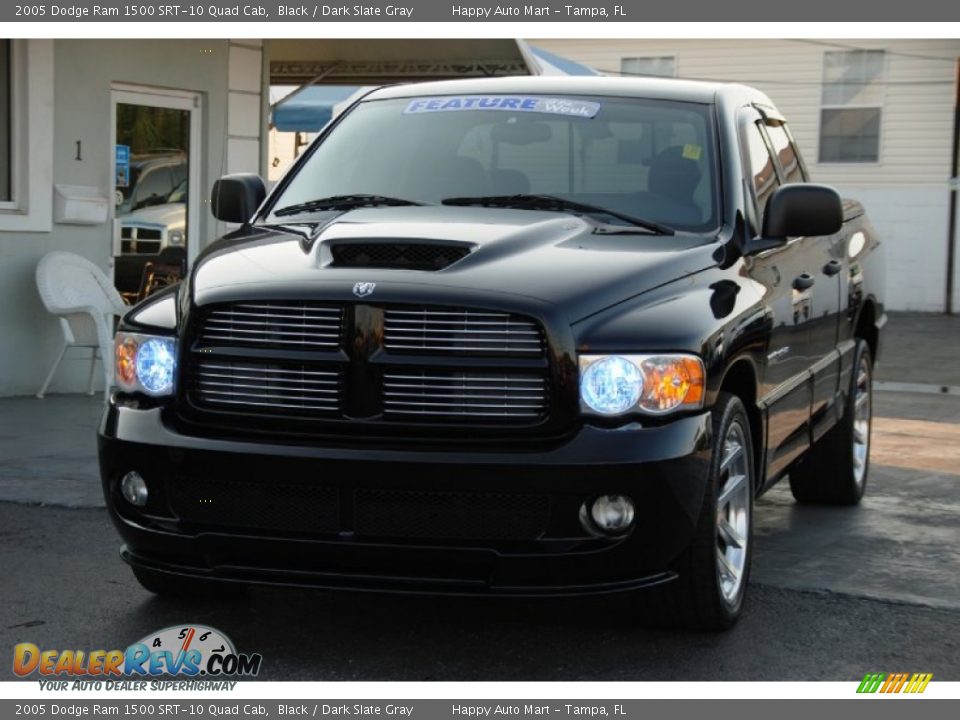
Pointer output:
x,y
717,314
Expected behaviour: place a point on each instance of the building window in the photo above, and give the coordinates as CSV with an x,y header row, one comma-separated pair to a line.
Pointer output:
x,y
851,106
649,66
6,139
26,135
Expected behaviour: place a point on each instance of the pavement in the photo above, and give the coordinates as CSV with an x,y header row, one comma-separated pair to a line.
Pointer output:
x,y
835,592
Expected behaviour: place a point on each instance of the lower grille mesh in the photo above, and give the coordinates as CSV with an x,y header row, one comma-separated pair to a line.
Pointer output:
x,y
256,504
450,515
266,503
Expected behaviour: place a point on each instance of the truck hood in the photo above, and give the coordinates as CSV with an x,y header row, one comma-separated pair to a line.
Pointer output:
x,y
554,258
172,216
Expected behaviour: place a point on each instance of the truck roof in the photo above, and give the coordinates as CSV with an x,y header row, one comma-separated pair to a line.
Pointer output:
x,y
655,88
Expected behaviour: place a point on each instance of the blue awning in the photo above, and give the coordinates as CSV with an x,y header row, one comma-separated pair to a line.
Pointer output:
x,y
311,108
552,64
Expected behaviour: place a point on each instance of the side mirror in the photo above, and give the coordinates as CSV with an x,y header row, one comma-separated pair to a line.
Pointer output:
x,y
802,209
235,198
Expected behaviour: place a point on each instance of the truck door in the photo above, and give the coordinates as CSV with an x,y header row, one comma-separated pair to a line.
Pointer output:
x,y
823,262
784,271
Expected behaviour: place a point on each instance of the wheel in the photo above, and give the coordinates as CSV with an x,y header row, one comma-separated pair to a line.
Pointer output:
x,y
714,570
834,471
174,586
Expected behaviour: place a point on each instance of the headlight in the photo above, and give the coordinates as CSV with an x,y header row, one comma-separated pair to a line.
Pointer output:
x,y
175,237
146,363
611,385
650,384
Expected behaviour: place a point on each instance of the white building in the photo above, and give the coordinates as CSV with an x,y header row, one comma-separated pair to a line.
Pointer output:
x,y
873,118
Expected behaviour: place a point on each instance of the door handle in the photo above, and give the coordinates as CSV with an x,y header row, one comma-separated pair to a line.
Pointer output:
x,y
803,282
832,267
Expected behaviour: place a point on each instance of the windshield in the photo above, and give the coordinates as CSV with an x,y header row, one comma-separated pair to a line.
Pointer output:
x,y
650,159
178,194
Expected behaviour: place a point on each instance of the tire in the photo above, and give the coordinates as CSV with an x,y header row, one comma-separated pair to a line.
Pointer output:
x,y
835,469
175,586
706,594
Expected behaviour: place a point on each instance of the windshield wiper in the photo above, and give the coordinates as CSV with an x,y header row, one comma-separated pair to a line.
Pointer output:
x,y
555,202
343,202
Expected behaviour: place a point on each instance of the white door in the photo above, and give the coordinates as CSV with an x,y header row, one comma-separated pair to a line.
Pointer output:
x,y
155,179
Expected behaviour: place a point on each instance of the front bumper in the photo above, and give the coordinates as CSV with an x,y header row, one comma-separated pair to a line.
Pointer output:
x,y
417,520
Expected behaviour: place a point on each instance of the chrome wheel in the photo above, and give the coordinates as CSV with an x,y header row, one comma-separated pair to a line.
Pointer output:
x,y
861,422
733,513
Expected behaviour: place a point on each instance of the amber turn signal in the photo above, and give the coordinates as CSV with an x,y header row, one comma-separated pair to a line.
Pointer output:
x,y
126,352
671,382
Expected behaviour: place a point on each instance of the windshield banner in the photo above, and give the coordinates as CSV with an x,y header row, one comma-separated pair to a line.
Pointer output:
x,y
554,106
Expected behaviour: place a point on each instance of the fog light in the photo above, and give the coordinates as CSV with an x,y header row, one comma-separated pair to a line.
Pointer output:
x,y
134,489
612,513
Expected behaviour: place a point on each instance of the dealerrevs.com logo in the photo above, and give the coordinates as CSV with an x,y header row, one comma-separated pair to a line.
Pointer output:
x,y
191,651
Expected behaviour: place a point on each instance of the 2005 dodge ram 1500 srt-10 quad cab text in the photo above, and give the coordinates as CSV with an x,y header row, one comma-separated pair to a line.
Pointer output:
x,y
514,337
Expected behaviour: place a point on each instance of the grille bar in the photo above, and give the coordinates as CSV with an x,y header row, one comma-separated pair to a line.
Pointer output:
x,y
238,385
305,325
271,370
465,395
461,331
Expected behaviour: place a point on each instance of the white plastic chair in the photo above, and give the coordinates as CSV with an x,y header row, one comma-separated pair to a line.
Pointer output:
x,y
85,301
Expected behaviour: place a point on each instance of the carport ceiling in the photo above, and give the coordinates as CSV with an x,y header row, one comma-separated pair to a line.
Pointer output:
x,y
377,62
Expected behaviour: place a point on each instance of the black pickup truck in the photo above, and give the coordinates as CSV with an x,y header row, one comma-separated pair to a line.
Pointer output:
x,y
515,337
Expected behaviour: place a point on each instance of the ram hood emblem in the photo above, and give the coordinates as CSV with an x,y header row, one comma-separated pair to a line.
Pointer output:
x,y
364,289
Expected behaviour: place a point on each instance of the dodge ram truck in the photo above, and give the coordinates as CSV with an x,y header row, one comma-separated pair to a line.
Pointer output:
x,y
512,337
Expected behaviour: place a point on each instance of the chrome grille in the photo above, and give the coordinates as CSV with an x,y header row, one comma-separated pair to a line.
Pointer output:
x,y
133,232
461,331
290,325
247,385
511,396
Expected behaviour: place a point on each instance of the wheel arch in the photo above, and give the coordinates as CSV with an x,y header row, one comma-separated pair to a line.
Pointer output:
x,y
741,379
866,327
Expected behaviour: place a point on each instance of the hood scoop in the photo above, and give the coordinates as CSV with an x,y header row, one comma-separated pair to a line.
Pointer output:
x,y
397,254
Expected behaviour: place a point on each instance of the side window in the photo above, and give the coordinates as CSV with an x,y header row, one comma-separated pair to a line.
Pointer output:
x,y
786,152
179,173
762,168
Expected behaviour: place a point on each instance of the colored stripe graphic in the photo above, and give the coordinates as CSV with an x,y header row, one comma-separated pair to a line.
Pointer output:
x,y
919,682
894,682
870,683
